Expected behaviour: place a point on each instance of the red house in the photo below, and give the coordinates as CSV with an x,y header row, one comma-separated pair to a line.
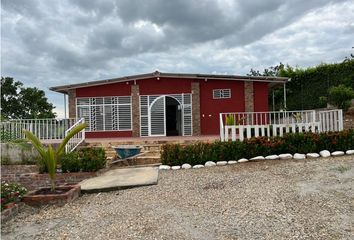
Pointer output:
x,y
164,104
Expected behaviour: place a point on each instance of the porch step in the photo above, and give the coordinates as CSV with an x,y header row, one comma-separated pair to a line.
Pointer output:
x,y
148,160
151,148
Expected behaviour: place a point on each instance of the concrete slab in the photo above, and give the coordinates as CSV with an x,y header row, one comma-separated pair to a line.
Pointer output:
x,y
122,178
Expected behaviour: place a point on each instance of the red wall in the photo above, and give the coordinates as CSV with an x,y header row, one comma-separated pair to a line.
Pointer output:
x,y
164,86
260,91
210,108
114,89
109,134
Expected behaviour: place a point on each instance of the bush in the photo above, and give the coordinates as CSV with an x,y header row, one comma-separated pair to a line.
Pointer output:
x,y
175,154
71,162
11,193
86,160
341,96
92,159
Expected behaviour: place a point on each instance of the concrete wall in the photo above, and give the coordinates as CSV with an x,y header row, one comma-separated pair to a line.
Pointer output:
x,y
12,153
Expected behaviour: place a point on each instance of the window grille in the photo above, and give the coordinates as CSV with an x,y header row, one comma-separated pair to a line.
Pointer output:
x,y
221,93
106,113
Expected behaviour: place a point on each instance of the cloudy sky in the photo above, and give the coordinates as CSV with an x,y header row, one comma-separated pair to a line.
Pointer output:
x,y
45,43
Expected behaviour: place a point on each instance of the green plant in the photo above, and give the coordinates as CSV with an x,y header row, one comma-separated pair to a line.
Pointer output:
x,y
230,119
175,154
49,155
92,159
71,162
340,96
11,192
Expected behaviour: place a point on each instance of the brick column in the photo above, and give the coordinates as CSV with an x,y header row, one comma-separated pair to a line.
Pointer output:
x,y
249,97
135,110
196,109
72,103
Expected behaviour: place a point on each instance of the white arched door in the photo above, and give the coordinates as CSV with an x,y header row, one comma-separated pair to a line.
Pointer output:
x,y
157,113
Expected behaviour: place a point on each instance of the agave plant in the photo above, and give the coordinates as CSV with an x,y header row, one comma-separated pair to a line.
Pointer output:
x,y
50,155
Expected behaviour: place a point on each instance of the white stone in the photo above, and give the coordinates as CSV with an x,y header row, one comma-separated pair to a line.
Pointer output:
x,y
257,158
186,166
221,163
285,156
210,164
337,153
232,162
299,156
272,157
164,167
325,153
242,160
198,166
175,167
312,155
349,152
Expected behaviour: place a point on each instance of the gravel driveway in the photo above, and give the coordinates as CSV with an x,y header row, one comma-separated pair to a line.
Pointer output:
x,y
307,199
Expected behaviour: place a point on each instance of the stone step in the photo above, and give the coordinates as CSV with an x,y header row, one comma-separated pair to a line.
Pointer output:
x,y
137,161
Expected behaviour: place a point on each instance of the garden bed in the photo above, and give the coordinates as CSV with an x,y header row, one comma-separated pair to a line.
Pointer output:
x,y
60,196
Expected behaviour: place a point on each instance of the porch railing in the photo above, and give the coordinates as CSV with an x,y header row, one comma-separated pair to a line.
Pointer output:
x,y
253,124
44,129
77,139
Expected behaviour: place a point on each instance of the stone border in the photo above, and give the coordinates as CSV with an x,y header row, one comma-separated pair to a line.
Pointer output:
x,y
10,213
296,156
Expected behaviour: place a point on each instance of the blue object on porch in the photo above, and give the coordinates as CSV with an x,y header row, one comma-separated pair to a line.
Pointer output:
x,y
127,151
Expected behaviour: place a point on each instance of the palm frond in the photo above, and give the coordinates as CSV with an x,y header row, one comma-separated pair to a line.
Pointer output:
x,y
35,142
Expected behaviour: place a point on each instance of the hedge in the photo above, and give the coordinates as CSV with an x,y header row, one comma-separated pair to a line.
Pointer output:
x,y
176,154
308,85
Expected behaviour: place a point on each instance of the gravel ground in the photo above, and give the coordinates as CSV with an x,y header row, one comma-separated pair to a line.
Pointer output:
x,y
307,199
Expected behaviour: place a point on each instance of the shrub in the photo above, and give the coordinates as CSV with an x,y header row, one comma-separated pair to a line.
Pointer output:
x,y
11,192
86,160
175,154
92,159
71,162
340,96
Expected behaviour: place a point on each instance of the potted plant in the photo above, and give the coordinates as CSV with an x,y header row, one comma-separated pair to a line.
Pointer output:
x,y
49,156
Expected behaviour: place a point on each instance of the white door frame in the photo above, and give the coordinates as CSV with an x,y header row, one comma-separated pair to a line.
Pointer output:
x,y
164,106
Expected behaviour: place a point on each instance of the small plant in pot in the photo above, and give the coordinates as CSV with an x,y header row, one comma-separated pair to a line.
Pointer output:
x,y
49,156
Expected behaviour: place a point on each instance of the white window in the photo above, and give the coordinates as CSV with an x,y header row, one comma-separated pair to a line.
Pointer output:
x,y
105,113
221,93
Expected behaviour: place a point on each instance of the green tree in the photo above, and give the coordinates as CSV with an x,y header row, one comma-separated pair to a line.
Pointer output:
x,y
21,102
341,96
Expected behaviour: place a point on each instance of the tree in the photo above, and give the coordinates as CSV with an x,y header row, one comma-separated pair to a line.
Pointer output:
x,y
340,96
21,102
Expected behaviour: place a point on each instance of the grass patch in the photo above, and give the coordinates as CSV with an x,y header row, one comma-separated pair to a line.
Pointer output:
x,y
342,168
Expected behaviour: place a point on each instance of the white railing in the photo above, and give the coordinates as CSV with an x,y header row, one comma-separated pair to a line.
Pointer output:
x,y
243,125
77,139
44,129
330,120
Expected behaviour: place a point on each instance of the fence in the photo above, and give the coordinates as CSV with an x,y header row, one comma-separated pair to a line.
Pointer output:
x,y
253,124
44,129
